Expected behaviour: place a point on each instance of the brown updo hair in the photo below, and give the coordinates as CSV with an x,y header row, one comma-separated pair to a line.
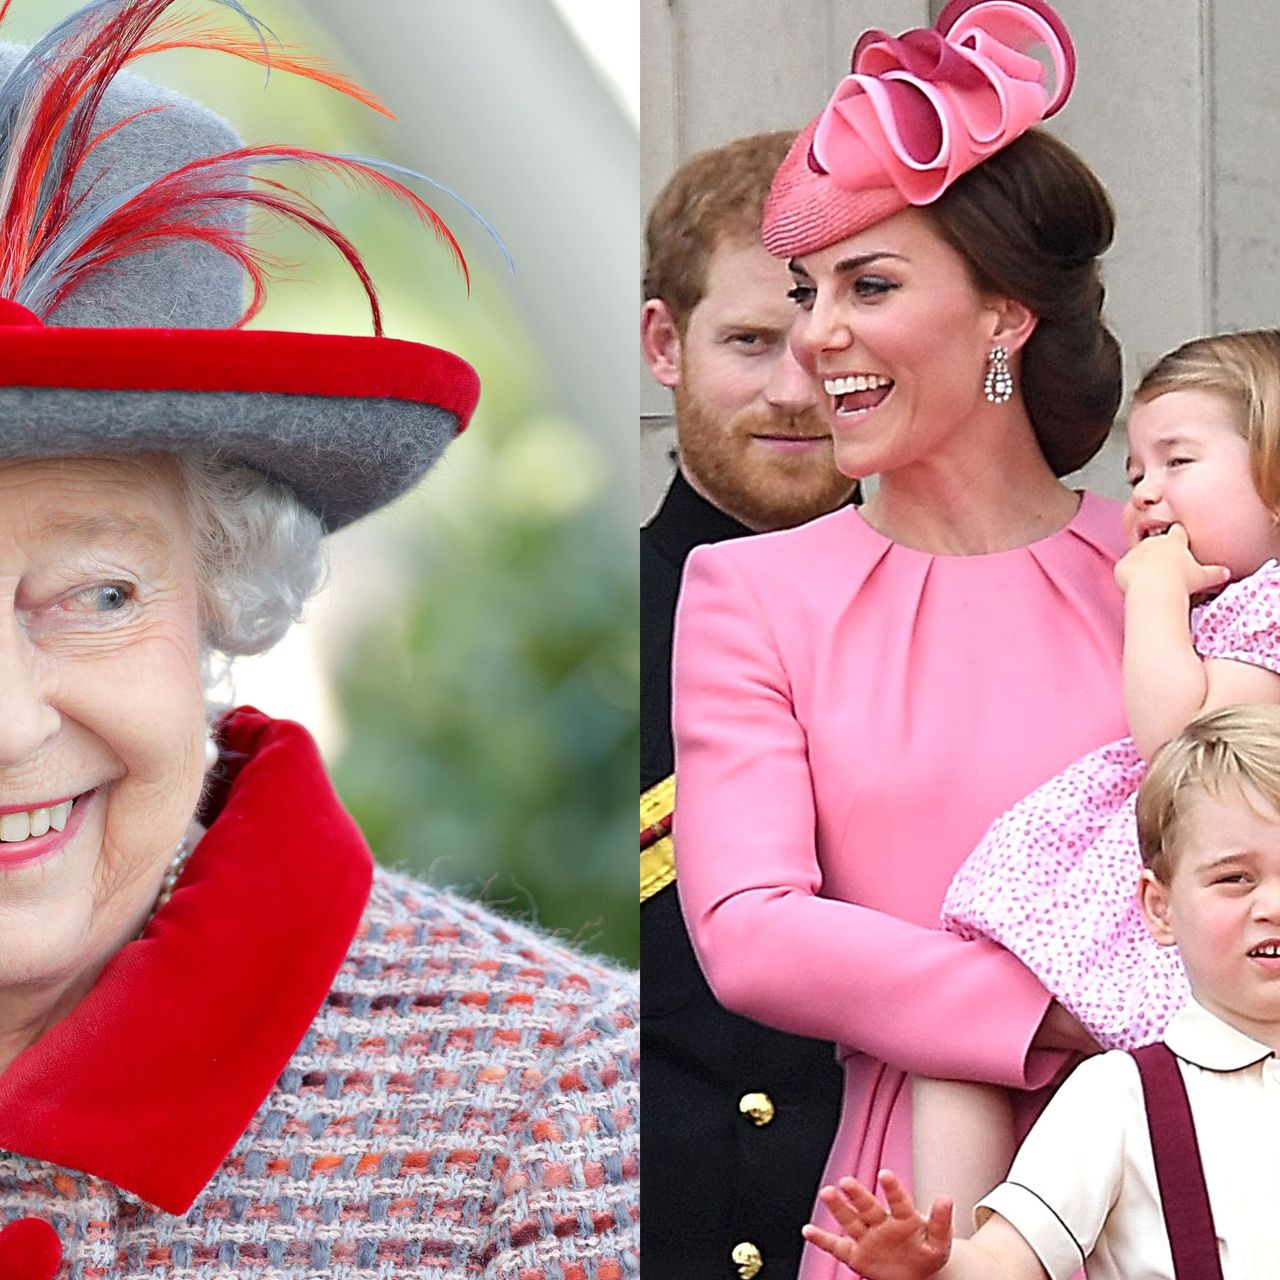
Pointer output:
x,y
1031,221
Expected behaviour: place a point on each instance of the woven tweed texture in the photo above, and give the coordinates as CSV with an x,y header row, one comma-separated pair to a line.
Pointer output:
x,y
466,1104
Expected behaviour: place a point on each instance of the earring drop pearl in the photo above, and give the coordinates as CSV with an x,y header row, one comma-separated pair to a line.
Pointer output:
x,y
211,752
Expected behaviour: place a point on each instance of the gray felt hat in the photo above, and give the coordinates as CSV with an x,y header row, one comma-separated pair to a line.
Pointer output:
x,y
119,320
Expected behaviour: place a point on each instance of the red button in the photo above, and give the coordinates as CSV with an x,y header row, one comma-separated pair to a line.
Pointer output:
x,y
29,1250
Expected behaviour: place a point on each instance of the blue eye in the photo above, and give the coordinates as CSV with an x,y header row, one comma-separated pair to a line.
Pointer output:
x,y
104,597
112,597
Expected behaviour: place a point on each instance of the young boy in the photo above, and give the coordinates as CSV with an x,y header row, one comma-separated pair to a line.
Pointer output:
x,y
1083,1188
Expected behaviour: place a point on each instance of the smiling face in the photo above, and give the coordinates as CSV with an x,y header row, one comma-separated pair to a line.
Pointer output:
x,y
1221,907
103,708
752,440
1189,464
892,324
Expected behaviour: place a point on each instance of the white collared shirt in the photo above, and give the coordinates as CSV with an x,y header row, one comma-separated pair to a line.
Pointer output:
x,y
1083,1185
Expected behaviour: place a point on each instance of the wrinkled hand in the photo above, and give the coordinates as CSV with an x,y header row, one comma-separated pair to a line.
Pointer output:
x,y
1169,555
893,1243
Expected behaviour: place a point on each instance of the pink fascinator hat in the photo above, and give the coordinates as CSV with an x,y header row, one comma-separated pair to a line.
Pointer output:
x,y
916,112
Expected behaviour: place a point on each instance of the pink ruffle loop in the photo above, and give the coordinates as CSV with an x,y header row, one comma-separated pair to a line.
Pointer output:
x,y
921,109
922,52
1013,27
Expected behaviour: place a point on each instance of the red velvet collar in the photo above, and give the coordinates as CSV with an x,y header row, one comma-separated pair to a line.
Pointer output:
x,y
151,1080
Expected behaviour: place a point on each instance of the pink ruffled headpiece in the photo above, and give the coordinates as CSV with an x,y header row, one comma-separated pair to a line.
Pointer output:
x,y
916,112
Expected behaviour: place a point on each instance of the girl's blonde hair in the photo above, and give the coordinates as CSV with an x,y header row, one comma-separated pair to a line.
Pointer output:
x,y
1244,367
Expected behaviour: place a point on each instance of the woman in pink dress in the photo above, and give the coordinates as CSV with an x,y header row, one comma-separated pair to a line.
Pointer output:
x,y
856,699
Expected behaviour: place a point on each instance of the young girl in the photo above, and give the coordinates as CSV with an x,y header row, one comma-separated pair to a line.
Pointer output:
x,y
1055,879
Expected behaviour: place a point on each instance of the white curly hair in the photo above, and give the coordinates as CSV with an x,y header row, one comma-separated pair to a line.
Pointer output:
x,y
258,555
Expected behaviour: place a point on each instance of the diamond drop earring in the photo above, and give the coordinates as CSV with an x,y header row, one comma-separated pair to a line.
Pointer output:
x,y
997,385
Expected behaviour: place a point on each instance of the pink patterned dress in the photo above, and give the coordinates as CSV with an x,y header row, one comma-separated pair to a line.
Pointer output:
x,y
1055,878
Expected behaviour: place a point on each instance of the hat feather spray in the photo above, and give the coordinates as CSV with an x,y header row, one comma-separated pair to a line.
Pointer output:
x,y
62,234
50,241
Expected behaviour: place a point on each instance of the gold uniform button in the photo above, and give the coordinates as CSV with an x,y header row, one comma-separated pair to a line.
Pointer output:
x,y
748,1259
758,1106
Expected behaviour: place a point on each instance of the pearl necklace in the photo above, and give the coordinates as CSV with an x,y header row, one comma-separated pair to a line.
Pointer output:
x,y
171,873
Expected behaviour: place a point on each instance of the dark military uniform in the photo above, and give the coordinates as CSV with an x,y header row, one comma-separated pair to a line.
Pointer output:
x,y
738,1118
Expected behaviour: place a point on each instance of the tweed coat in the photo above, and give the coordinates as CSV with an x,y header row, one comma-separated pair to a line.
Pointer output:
x,y
307,1068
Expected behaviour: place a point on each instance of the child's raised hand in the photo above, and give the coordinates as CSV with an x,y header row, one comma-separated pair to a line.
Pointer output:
x,y
893,1243
1168,556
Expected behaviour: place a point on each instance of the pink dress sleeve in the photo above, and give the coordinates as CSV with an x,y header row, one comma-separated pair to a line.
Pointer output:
x,y
750,876
1242,623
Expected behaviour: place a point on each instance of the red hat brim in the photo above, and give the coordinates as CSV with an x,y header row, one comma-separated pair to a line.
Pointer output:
x,y
349,423
260,360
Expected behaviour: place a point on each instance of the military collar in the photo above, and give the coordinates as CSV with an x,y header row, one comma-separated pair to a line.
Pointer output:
x,y
686,520
154,1076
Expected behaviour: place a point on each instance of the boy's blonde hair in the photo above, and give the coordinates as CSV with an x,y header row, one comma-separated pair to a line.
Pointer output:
x,y
1245,368
1226,751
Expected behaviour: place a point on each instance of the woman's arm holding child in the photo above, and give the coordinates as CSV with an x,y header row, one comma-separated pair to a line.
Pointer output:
x,y
898,1243
1166,684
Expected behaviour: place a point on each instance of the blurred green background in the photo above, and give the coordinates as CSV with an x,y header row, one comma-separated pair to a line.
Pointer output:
x,y
475,676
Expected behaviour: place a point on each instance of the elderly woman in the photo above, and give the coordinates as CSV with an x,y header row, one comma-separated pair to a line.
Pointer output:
x,y
856,699
228,1046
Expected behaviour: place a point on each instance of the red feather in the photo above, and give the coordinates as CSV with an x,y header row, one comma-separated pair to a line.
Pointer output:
x,y
53,133
187,204
194,32
87,59
180,207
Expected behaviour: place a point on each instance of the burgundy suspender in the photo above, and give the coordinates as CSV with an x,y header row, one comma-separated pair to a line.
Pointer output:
x,y
1179,1173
